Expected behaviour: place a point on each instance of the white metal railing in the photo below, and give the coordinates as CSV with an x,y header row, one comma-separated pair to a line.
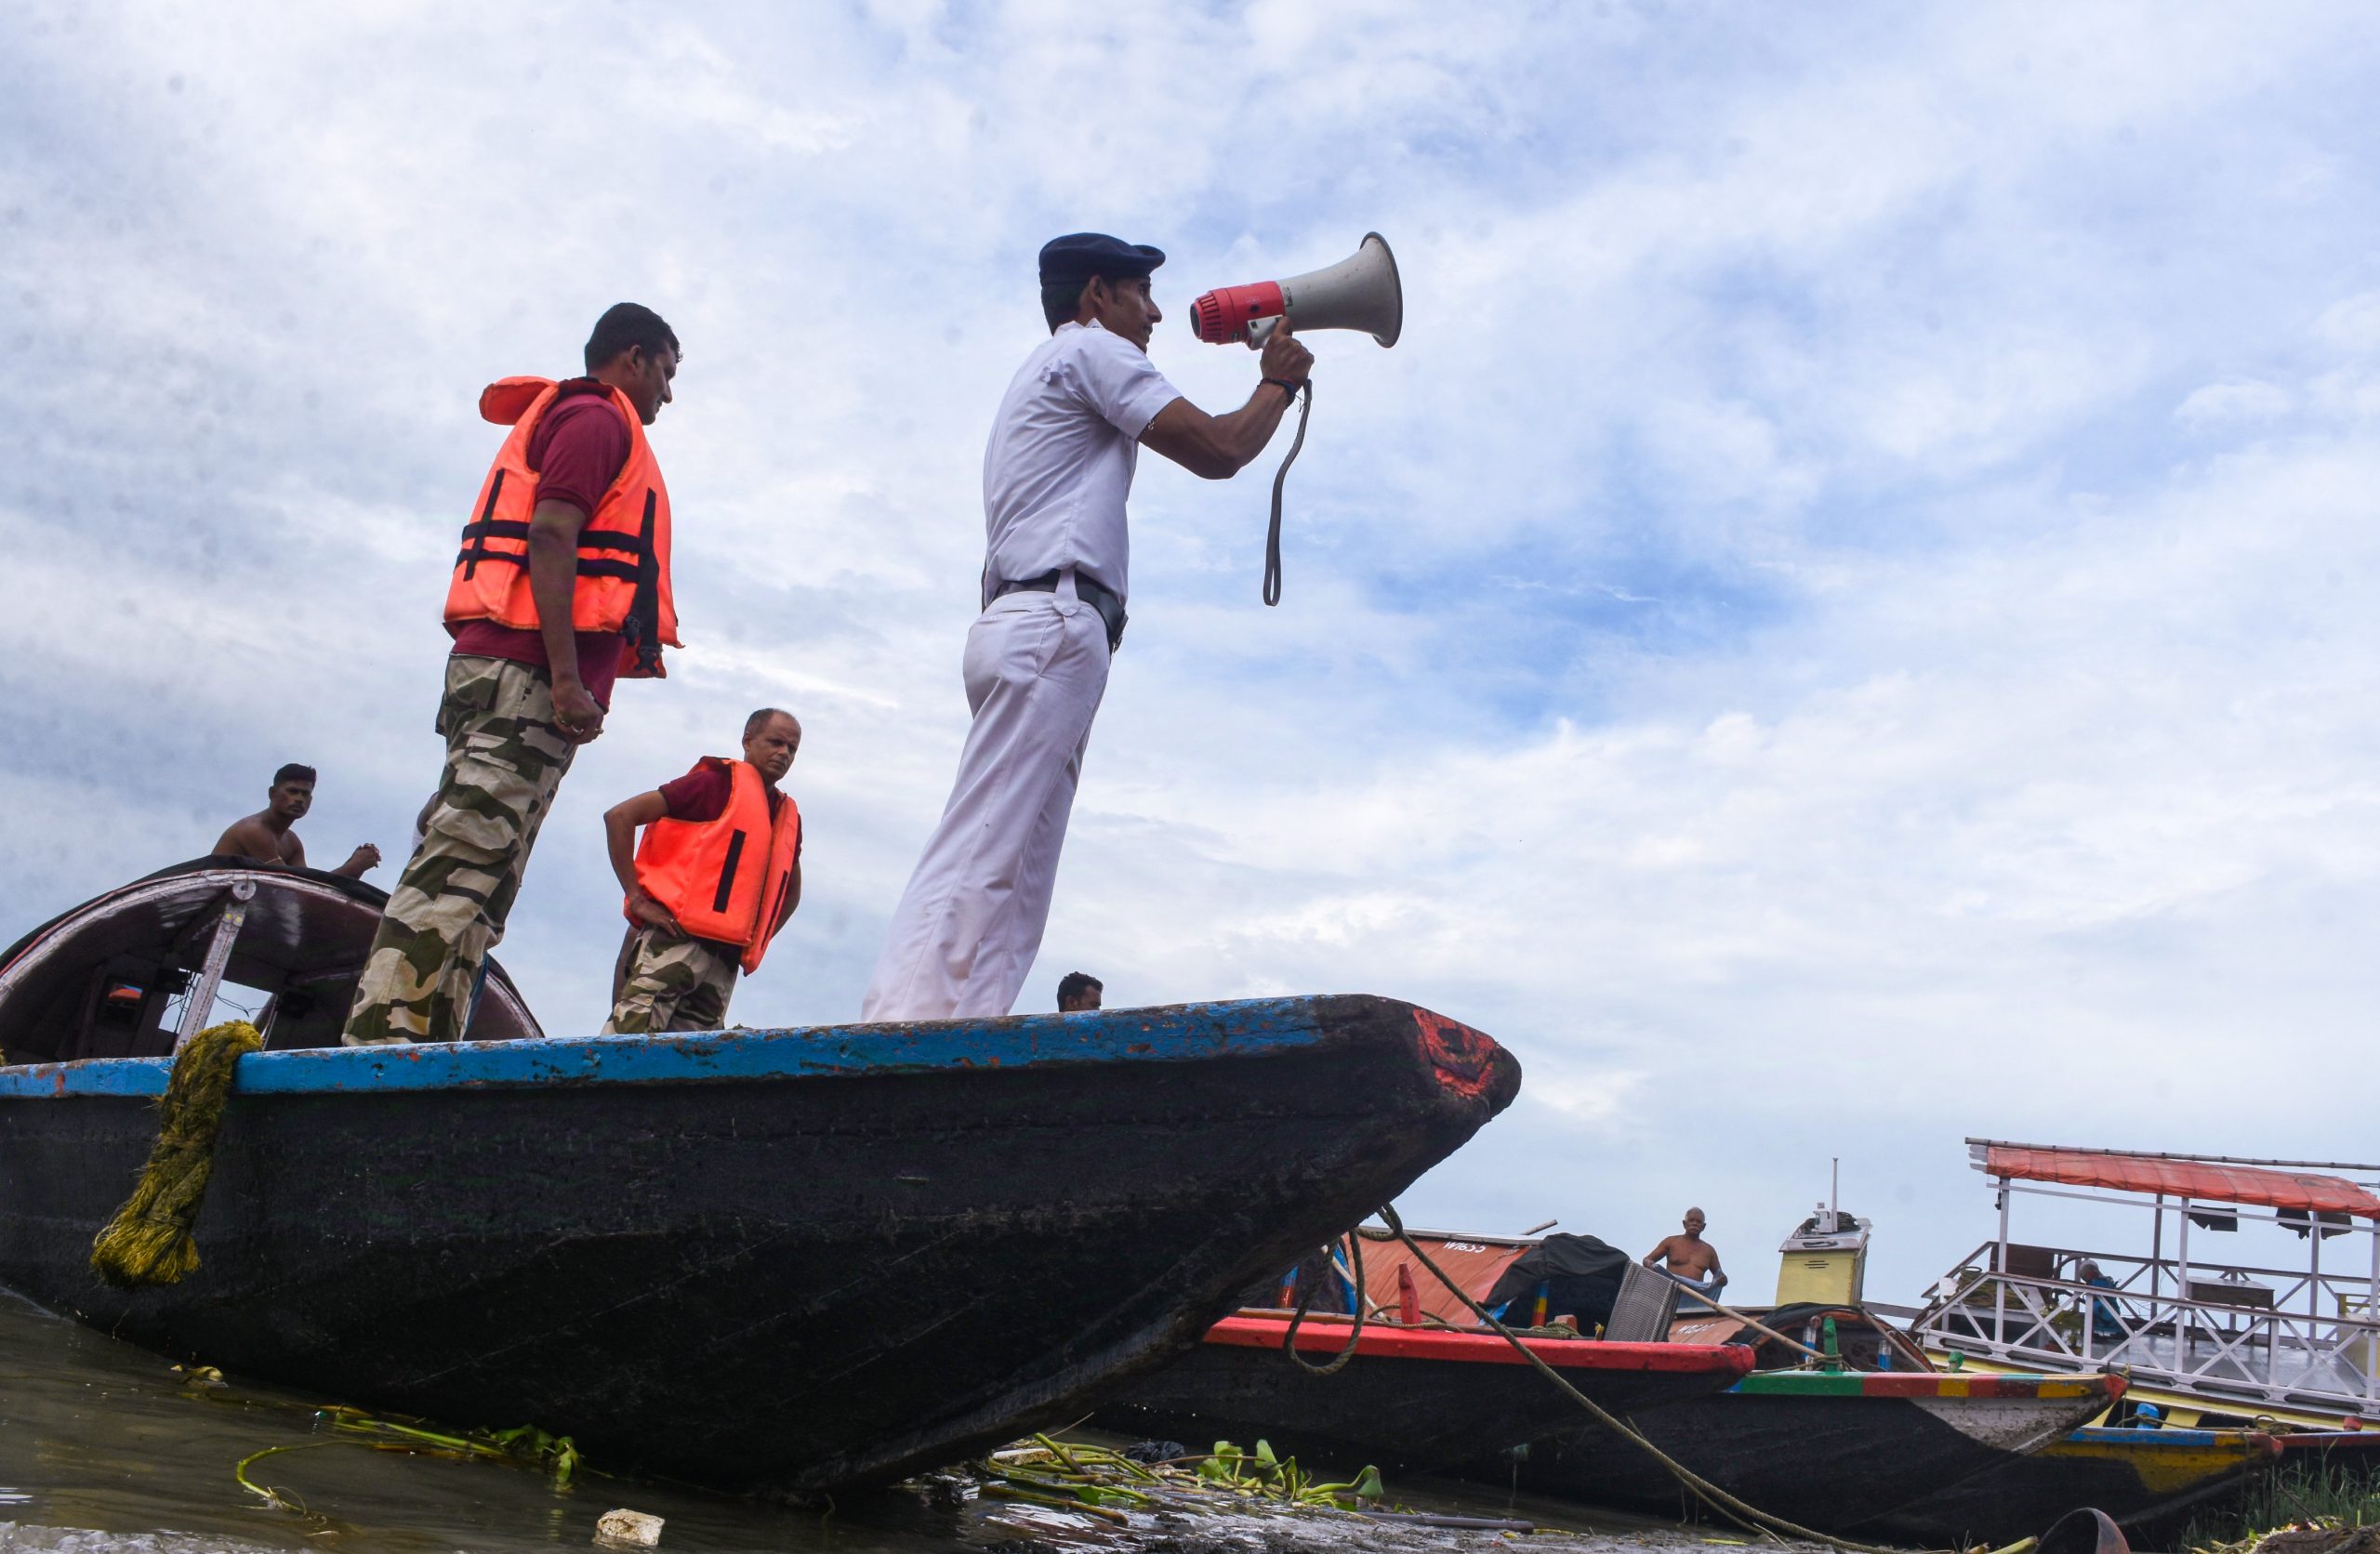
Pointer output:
x,y
2248,1346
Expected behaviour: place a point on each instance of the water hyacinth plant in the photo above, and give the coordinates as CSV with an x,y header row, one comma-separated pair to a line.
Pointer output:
x,y
1106,1485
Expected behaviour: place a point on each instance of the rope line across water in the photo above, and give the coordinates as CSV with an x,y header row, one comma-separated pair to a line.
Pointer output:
x,y
1752,1518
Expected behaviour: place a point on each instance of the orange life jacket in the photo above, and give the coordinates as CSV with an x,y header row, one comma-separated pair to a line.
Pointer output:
x,y
727,878
623,582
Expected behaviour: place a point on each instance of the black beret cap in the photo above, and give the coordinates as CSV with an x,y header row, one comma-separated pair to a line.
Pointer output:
x,y
1080,256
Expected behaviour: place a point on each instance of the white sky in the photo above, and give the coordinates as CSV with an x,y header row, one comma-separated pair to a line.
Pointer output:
x,y
1845,623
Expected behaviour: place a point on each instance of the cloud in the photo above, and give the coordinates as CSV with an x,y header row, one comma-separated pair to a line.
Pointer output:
x,y
2351,325
2218,404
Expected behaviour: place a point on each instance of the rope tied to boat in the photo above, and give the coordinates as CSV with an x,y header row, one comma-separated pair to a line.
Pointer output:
x,y
1306,1300
1748,1517
148,1241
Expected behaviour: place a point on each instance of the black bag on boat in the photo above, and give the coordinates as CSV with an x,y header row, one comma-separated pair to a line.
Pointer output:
x,y
1581,1274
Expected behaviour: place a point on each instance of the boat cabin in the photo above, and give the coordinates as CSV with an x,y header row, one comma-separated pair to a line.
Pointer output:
x,y
2214,1339
1821,1322
135,972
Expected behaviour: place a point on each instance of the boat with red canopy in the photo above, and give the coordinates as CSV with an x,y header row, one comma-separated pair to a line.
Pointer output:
x,y
2212,1337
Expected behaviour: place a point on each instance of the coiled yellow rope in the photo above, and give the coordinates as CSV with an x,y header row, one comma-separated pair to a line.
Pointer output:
x,y
148,1241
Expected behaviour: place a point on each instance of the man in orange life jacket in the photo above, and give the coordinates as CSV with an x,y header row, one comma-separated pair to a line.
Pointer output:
x,y
561,587
719,873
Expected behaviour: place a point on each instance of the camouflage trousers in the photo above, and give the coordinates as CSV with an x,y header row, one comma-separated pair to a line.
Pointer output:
x,y
667,981
505,759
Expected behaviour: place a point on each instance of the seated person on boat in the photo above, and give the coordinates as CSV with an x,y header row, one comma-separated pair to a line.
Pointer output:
x,y
1691,1260
269,836
2105,1322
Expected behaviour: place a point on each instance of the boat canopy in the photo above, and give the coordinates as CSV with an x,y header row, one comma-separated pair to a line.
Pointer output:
x,y
1473,1262
97,982
2199,1181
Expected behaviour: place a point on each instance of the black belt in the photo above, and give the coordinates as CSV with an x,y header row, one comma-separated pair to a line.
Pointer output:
x,y
1109,603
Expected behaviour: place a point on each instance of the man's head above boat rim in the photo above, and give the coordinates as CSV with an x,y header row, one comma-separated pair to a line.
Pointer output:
x,y
293,791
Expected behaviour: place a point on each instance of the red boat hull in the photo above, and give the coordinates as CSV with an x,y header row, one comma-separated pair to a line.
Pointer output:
x,y
1412,1398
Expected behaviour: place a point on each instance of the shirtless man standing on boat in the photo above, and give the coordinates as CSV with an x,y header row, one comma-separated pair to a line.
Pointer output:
x,y
270,835
1691,1259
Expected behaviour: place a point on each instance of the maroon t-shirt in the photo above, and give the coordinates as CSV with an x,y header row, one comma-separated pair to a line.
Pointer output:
x,y
701,796
577,451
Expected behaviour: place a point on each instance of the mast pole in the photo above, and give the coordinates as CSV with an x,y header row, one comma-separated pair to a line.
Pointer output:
x,y
2371,1300
2157,1253
2000,1266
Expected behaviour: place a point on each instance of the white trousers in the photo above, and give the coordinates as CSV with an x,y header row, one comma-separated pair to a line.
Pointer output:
x,y
968,926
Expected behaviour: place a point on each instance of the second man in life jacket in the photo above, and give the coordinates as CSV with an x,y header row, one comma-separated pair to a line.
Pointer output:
x,y
718,874
561,587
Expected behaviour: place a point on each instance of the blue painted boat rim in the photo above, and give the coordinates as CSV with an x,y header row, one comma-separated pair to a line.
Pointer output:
x,y
1170,1033
2168,1437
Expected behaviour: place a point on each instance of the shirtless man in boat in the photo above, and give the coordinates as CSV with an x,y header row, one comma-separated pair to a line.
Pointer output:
x,y
268,836
1691,1259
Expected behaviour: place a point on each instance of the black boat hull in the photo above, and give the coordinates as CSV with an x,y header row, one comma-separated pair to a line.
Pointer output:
x,y
1415,1399
2147,1482
1831,1463
701,1269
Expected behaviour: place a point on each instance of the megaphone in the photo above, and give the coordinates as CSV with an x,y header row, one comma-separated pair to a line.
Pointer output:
x,y
1359,292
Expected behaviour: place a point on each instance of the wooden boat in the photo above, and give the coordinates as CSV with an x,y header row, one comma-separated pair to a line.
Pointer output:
x,y
2338,1451
792,1260
97,982
1413,1398
1831,1451
2145,1480
2214,1342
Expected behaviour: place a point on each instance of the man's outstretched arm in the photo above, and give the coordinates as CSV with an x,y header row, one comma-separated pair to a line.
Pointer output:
x,y
360,861
553,578
1217,447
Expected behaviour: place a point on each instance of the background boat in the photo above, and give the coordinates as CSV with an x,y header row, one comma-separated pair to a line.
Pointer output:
x,y
1415,1398
2145,1480
1832,1451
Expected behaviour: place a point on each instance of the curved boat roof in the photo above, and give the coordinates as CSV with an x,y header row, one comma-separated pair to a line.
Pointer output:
x,y
2199,1181
302,938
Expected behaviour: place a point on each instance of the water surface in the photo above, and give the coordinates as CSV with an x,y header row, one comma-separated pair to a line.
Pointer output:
x,y
105,1450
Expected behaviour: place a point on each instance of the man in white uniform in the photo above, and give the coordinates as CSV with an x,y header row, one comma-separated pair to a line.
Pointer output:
x,y
1055,477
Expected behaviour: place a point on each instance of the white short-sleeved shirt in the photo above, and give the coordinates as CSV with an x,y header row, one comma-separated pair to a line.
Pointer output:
x,y
1060,458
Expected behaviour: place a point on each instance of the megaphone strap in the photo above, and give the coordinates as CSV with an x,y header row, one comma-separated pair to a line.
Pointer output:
x,y
1303,393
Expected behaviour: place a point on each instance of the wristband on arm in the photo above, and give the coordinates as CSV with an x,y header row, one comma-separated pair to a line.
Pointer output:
x,y
1285,386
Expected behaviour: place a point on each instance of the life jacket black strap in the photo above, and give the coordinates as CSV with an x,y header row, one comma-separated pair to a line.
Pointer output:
x,y
642,629
727,873
472,555
475,549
